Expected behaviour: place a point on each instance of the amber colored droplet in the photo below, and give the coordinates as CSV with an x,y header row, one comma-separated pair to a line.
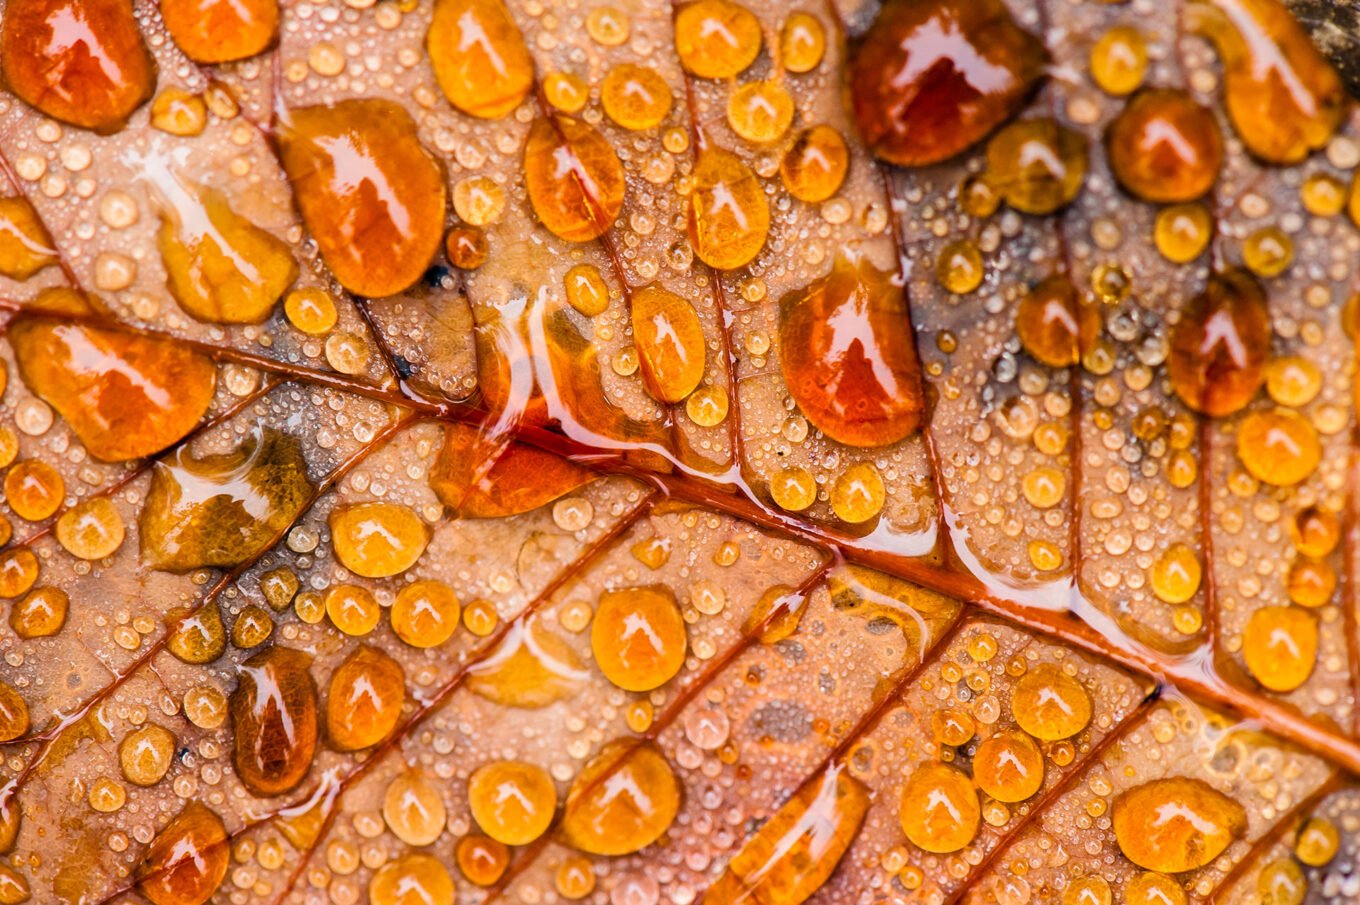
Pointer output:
x,y
364,700
760,111
353,609
940,811
934,77
80,61
274,721
1281,882
41,613
708,406
802,42
574,178
466,247
1278,447
638,637
370,194
377,540
18,571
1111,283
479,56
1323,195
25,245
1088,891
1316,532
11,815
635,97
566,91
1009,767
146,754
13,713
1283,97
586,290
197,637
729,216
478,200
188,859
413,879
125,396
653,552
670,343
952,727
482,859
815,165
716,39
179,112
413,809
220,31
1176,574
1037,165
1177,824
1182,231
425,613
575,878
1317,842
622,801
311,310
1119,60
531,667
252,628
1279,645
845,359
959,268
1049,704
1054,325
1268,252
512,801
9,449
220,267
858,494
521,478
1165,147
34,489
1311,583
793,489
1154,889
279,587
480,617
14,888
1293,380
797,849
92,529
224,508
1220,345
776,615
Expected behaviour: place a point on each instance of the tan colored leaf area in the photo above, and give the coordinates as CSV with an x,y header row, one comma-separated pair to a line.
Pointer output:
x,y
678,452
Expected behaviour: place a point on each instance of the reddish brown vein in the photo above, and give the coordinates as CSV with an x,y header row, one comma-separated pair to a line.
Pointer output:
x,y
1286,723
1135,718
48,736
715,668
1262,846
1206,532
574,570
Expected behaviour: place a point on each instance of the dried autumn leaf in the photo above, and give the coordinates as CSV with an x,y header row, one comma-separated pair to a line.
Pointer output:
x,y
988,542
